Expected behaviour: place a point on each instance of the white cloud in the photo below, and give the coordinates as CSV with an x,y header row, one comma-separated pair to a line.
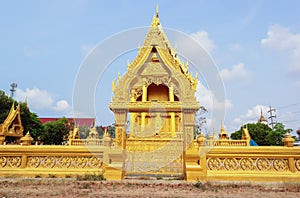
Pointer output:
x,y
204,40
208,99
282,39
42,100
237,71
216,108
251,116
61,105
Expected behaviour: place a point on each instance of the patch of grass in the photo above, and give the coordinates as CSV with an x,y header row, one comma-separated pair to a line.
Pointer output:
x,y
200,185
159,177
177,178
90,177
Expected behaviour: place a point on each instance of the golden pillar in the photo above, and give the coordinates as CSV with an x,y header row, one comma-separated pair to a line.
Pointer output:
x,y
144,99
132,116
172,114
120,124
188,133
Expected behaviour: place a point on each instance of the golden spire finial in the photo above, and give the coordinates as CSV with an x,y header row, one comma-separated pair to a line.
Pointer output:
x,y
222,127
155,20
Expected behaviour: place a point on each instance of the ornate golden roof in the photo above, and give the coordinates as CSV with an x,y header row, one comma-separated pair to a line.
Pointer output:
x,y
156,45
156,63
12,125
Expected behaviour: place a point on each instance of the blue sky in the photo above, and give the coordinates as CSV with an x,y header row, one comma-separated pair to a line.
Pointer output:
x,y
255,45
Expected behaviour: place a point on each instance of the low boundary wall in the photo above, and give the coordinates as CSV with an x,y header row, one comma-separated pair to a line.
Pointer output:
x,y
60,161
264,163
223,163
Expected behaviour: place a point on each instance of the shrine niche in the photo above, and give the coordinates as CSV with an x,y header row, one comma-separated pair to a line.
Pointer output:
x,y
12,126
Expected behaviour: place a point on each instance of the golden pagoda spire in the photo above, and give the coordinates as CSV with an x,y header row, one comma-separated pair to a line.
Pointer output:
x,y
223,134
262,118
222,126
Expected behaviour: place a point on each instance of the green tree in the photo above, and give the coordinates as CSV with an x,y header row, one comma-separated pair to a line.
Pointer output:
x,y
31,122
263,135
274,137
111,130
200,122
100,131
237,135
5,105
55,132
257,131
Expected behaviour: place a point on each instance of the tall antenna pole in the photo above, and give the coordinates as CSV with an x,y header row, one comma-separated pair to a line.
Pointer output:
x,y
12,90
272,112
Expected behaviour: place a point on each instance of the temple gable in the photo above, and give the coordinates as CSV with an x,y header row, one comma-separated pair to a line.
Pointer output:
x,y
12,125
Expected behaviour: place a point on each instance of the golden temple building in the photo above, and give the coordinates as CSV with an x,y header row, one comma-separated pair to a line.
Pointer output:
x,y
157,91
157,94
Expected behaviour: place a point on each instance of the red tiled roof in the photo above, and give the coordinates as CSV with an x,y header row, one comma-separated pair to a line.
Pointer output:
x,y
81,121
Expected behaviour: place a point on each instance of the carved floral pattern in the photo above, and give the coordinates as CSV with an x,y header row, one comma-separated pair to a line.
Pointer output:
x,y
96,162
65,162
3,161
62,162
263,164
34,162
297,164
247,164
15,161
230,164
80,162
280,164
214,163
11,162
49,161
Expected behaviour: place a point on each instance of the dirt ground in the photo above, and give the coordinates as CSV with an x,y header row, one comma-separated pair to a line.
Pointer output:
x,y
70,187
